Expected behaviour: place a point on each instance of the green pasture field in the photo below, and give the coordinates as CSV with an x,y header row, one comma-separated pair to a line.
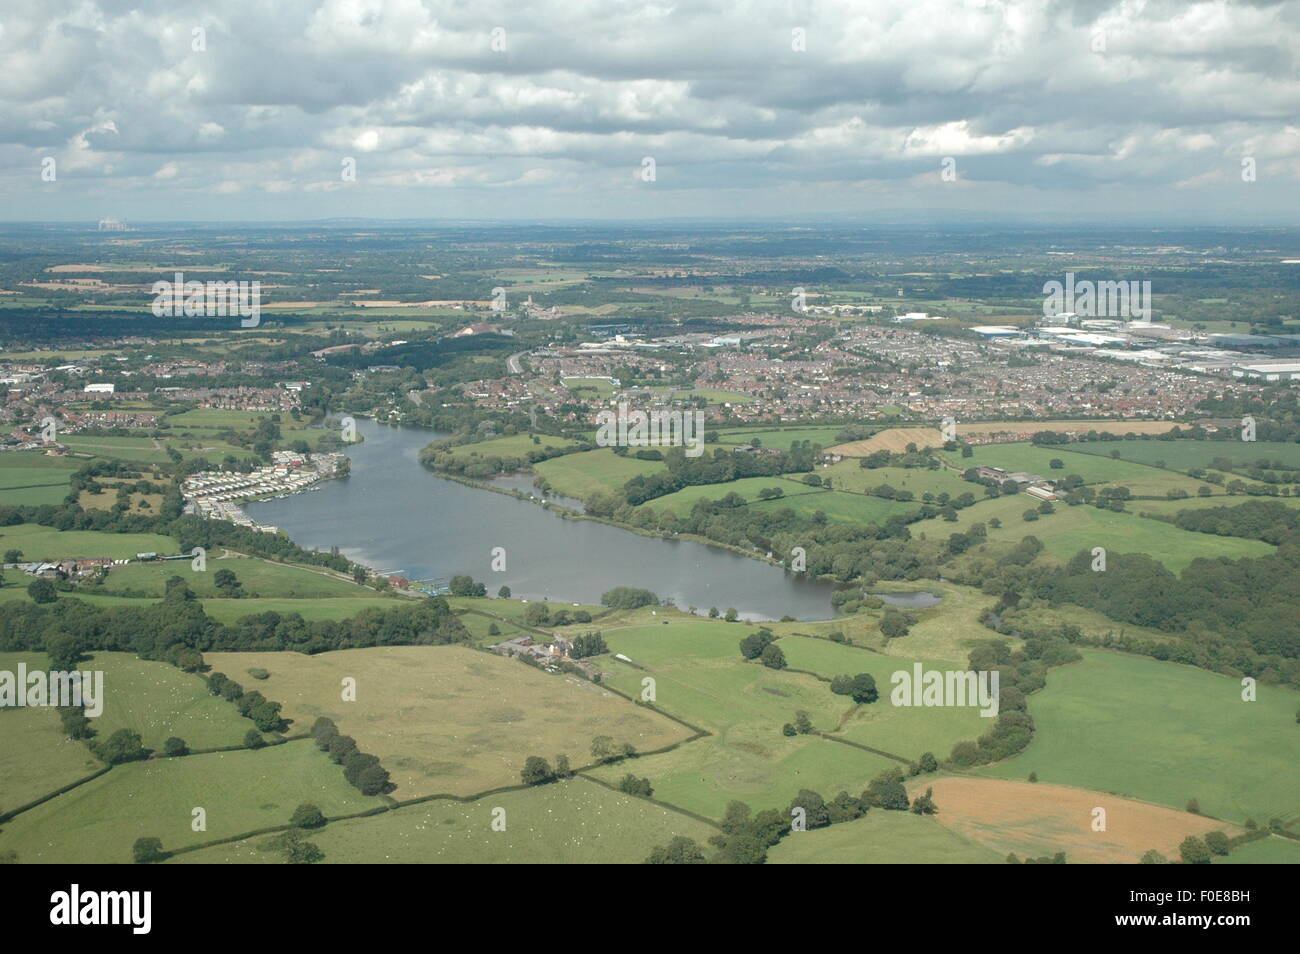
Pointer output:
x,y
45,543
907,731
945,632
1071,529
157,701
1273,850
511,445
514,609
1184,455
449,719
142,450
701,677
209,448
948,631
599,385
1141,479
478,628
311,610
241,791
882,838
754,764
226,610
1164,733
1171,508
680,502
33,468
846,508
216,419
780,438
36,756
1039,614
15,588
570,822
261,577
850,476
598,471
33,496
138,449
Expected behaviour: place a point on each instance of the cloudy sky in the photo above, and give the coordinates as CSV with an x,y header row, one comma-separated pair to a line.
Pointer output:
x,y
888,110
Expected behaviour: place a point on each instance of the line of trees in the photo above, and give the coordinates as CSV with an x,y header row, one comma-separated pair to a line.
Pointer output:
x,y
362,771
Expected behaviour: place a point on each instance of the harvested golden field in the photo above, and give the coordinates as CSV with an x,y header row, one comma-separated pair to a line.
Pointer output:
x,y
894,440
1034,819
447,719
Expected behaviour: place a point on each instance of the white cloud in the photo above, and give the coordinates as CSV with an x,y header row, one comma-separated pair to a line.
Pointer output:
x,y
711,89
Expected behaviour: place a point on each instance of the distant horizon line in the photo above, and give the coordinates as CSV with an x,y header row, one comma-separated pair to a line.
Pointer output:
x,y
807,223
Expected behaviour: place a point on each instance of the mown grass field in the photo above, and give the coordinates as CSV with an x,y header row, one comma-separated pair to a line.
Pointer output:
x,y
598,471
45,543
242,791
447,719
882,838
701,677
157,701
36,756
1164,733
570,822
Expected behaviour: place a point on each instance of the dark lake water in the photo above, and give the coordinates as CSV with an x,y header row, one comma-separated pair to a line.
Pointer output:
x,y
396,516
919,600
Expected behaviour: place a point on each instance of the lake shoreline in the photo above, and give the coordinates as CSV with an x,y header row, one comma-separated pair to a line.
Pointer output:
x,y
385,516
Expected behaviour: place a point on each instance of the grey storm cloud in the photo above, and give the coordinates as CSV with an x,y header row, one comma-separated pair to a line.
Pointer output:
x,y
242,109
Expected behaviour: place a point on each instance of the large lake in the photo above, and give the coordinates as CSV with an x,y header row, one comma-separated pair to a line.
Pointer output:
x,y
396,516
